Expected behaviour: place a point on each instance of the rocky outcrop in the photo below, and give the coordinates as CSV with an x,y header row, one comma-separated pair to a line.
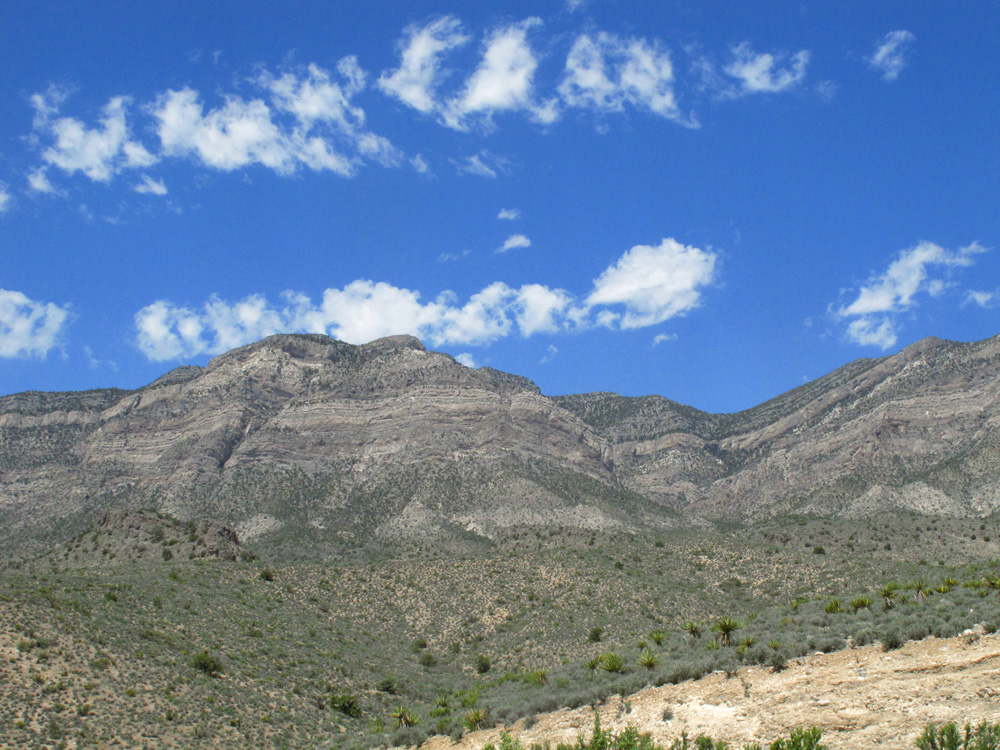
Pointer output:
x,y
305,438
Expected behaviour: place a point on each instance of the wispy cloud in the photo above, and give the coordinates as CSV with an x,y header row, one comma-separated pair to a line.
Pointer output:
x,y
419,74
509,214
483,164
924,270
663,337
513,242
651,283
149,186
29,328
605,72
890,54
765,72
6,200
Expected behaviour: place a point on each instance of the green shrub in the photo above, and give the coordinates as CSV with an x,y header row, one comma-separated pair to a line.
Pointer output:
x,y
483,664
205,662
948,737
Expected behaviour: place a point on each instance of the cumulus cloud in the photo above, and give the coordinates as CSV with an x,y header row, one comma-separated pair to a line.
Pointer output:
x,y
149,186
606,72
923,270
29,328
509,214
764,73
890,55
416,79
466,359
100,152
309,121
652,283
513,242
503,81
38,182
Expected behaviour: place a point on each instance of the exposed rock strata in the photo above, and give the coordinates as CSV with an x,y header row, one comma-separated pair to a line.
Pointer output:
x,y
316,439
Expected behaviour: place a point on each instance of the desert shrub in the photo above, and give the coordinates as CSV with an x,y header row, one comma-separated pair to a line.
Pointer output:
x,y
207,663
800,739
483,664
267,574
595,635
346,704
948,737
891,639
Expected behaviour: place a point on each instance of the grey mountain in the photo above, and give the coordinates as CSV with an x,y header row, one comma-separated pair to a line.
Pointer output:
x,y
308,442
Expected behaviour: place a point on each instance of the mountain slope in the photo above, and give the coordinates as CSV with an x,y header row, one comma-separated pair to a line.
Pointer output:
x,y
318,445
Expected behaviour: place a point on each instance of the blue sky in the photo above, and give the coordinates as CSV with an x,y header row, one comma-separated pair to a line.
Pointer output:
x,y
710,203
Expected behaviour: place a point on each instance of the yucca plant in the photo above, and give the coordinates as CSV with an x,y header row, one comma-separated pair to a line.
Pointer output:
x,y
692,628
403,717
538,677
725,627
833,607
648,660
658,636
475,719
861,602
612,661
593,664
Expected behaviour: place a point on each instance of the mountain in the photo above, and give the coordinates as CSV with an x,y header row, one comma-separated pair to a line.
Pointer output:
x,y
307,442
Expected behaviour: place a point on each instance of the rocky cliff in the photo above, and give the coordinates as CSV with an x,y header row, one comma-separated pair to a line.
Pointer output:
x,y
308,440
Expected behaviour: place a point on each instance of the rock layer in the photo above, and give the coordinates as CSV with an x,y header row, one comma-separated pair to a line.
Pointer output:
x,y
304,438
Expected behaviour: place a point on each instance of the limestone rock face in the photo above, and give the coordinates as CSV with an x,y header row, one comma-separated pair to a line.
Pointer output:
x,y
310,441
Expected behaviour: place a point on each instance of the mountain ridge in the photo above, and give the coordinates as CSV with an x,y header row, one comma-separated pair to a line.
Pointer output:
x,y
305,437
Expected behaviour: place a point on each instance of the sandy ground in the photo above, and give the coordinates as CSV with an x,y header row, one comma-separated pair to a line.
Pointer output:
x,y
860,698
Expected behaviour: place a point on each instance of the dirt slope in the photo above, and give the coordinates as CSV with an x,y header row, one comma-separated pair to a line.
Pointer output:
x,y
861,698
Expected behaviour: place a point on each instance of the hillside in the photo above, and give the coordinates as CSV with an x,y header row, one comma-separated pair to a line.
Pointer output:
x,y
314,447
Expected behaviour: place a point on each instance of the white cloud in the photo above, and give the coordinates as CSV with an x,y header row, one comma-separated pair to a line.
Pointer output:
x,y
483,164
5,199
662,337
654,283
509,214
466,359
29,328
762,73
38,181
149,186
415,80
890,56
550,354
607,72
419,163
100,153
983,299
503,81
539,309
514,241
873,314
309,122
